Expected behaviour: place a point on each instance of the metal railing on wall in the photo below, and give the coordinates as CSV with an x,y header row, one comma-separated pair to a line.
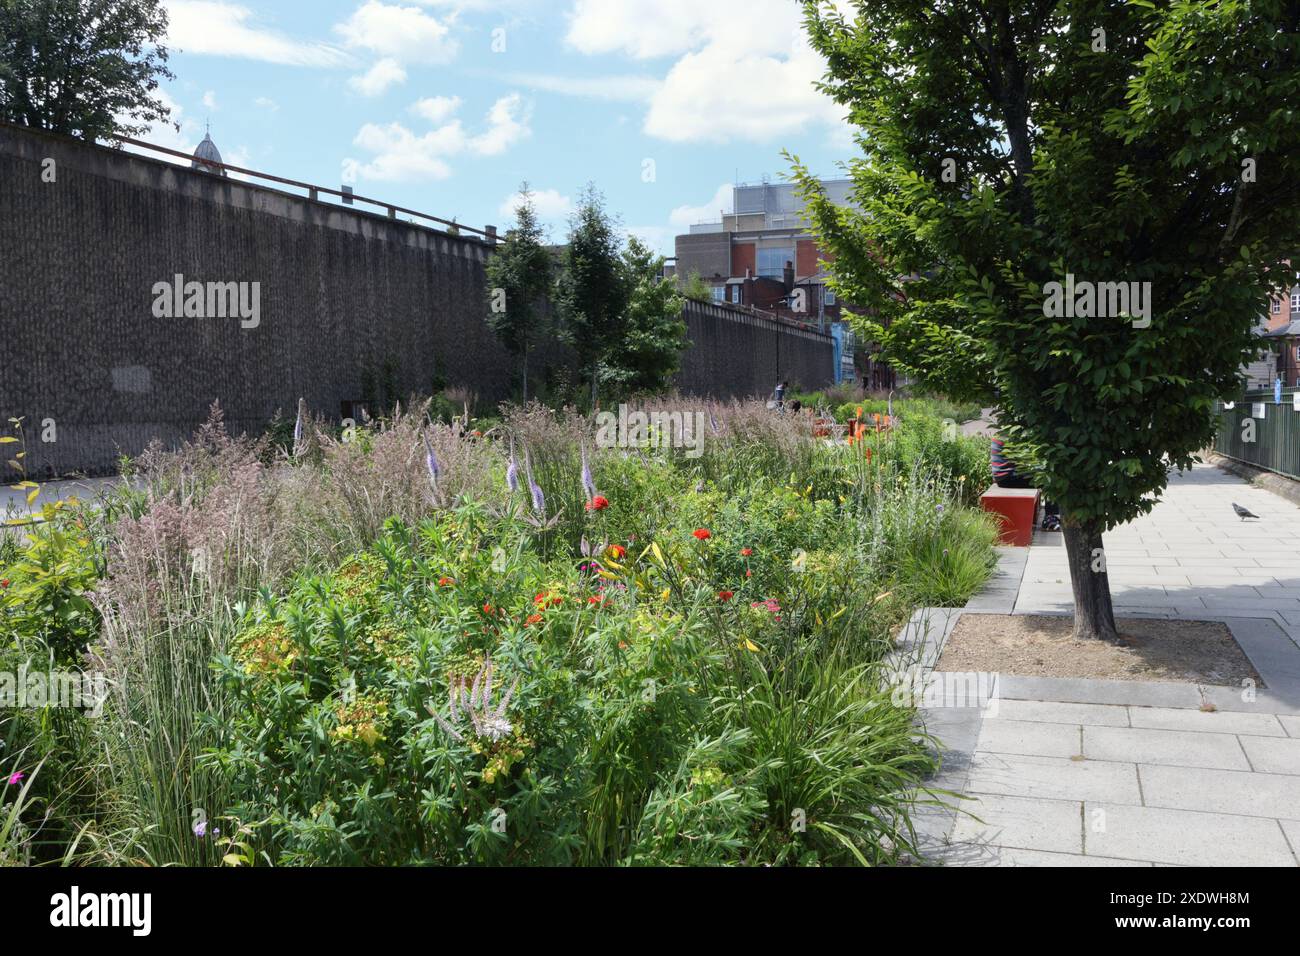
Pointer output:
x,y
1270,440
314,192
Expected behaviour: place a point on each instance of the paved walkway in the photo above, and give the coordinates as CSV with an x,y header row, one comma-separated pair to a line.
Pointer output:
x,y
1121,773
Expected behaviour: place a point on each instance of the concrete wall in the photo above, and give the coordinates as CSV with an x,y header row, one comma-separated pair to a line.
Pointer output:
x,y
736,354
344,296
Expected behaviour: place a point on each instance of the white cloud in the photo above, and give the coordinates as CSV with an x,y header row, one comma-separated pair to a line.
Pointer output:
x,y
385,73
716,95
407,34
222,29
266,103
507,125
399,154
626,87
741,69
436,108
210,100
550,204
686,216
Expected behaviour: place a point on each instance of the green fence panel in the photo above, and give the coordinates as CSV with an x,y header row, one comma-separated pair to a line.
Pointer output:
x,y
1270,440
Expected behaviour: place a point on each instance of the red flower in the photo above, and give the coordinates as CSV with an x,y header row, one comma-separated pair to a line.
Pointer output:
x,y
598,503
532,619
746,552
4,583
704,534
749,572
725,595
616,550
595,600
445,582
487,608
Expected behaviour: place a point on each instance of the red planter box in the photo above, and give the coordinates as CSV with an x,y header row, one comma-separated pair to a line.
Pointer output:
x,y
1017,508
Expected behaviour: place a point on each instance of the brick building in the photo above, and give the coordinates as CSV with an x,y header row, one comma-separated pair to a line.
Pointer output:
x,y
763,256
1282,335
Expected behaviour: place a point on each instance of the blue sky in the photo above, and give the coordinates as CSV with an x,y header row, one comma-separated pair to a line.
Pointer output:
x,y
446,106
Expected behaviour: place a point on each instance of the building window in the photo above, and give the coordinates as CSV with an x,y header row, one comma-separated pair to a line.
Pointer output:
x,y
771,262
1277,306
719,292
1297,353
1295,301
830,297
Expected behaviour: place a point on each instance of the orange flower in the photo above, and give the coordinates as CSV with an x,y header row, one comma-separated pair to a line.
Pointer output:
x,y
598,503
487,608
616,550
746,552
595,600
725,595
533,619
704,534
445,582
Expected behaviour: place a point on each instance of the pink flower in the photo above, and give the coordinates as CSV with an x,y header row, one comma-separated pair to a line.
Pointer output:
x,y
16,777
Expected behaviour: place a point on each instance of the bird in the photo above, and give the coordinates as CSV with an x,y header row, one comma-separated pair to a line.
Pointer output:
x,y
1242,513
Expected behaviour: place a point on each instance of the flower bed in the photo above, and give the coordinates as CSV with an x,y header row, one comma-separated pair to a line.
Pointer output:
x,y
417,645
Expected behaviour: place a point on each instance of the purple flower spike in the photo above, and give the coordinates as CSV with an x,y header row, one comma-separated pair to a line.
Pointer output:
x,y
512,471
539,500
588,485
201,829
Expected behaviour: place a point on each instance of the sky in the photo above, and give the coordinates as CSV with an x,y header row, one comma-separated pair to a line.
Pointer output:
x,y
447,106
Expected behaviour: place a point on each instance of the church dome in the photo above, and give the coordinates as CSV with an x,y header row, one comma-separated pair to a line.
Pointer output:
x,y
206,154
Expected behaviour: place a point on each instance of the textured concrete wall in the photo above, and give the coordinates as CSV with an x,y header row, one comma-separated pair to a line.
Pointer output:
x,y
343,294
735,354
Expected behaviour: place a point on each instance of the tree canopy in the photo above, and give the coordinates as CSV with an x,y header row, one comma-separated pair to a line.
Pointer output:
x,y
87,68
1142,157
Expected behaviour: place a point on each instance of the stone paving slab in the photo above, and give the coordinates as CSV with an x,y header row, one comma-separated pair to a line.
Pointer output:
x,y
1184,837
1221,791
1175,747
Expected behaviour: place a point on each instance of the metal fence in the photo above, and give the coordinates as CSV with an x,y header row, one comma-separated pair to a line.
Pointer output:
x,y
1261,431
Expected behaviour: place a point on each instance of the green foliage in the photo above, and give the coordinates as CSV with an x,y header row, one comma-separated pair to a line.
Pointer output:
x,y
1122,164
648,354
695,288
87,68
674,697
44,593
518,278
592,290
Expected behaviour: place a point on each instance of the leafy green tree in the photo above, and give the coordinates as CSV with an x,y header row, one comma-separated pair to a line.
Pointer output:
x,y
592,291
696,288
518,278
648,353
87,68
1011,144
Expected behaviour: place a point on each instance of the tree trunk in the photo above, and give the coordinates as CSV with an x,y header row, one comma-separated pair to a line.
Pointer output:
x,y
1094,616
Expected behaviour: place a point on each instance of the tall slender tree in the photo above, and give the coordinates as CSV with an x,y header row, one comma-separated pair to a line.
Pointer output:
x,y
592,292
1082,205
87,68
518,278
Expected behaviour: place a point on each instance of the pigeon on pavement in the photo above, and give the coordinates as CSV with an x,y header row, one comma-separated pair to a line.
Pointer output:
x,y
1242,513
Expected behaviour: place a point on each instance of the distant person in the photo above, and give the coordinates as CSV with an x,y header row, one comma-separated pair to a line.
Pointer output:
x,y
780,394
